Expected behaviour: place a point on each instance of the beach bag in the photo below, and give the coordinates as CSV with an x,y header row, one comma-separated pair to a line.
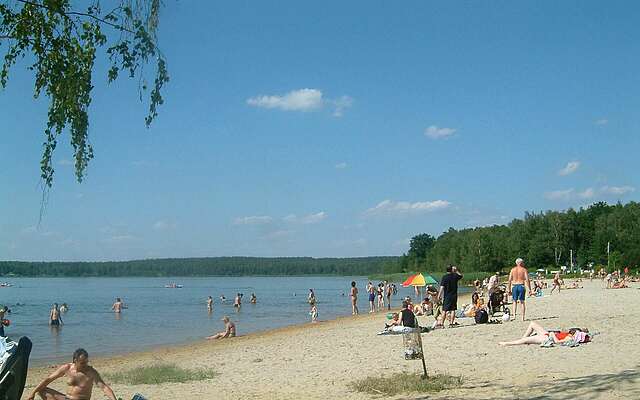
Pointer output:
x,y
412,343
482,316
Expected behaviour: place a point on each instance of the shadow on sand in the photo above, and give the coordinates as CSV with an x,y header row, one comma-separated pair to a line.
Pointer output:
x,y
597,386
625,384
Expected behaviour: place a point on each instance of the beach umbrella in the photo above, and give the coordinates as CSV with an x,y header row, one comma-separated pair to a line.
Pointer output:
x,y
408,281
430,280
415,280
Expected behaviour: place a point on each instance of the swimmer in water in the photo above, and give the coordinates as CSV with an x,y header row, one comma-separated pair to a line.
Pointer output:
x,y
54,316
118,305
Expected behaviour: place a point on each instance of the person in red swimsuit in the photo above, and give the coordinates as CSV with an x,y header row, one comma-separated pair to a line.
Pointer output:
x,y
536,334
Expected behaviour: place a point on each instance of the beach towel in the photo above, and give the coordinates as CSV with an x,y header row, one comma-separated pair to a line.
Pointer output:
x,y
395,330
13,372
7,348
548,342
570,343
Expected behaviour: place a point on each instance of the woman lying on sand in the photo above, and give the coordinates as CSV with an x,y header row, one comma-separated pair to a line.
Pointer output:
x,y
619,285
536,334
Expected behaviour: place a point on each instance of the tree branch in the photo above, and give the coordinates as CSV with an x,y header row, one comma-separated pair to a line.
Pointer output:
x,y
81,14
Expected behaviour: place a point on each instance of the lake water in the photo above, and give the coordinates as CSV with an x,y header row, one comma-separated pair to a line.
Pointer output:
x,y
159,316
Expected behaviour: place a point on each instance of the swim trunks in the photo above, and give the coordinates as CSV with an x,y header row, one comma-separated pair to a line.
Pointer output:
x,y
518,292
450,303
55,322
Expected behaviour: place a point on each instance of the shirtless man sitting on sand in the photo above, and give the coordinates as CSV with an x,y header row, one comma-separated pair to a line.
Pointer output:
x,y
229,330
81,377
517,279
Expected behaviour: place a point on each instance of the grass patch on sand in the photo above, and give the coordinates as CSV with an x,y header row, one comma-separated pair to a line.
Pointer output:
x,y
406,383
160,373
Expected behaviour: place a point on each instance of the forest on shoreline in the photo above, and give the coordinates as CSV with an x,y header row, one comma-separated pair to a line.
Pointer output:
x,y
209,266
599,235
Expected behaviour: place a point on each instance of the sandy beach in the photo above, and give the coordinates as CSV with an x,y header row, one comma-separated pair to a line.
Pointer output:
x,y
319,361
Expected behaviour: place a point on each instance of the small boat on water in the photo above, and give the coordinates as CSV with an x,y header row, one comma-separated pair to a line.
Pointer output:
x,y
5,284
173,286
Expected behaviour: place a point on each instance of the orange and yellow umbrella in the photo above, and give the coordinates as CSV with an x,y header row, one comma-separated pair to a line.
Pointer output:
x,y
415,280
419,280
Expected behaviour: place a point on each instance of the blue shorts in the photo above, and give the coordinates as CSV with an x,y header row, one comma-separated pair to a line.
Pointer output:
x,y
518,292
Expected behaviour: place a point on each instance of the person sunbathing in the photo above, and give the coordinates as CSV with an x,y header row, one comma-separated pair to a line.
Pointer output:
x,y
573,285
619,285
394,321
536,334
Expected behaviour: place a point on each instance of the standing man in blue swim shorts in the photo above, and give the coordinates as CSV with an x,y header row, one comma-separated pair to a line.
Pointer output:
x,y
518,277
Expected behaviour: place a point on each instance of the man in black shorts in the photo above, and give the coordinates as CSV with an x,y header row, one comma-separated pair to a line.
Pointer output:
x,y
449,294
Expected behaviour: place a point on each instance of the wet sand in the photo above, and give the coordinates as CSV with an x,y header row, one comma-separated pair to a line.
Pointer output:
x,y
318,361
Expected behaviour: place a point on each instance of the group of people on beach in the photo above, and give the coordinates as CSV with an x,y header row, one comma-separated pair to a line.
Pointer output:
x,y
442,304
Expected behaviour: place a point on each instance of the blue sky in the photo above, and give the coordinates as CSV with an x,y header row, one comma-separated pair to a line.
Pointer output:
x,y
335,129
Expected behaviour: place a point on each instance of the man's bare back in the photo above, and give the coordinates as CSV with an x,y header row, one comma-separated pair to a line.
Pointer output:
x,y
518,275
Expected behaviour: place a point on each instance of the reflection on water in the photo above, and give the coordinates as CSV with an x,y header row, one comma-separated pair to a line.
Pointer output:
x,y
161,316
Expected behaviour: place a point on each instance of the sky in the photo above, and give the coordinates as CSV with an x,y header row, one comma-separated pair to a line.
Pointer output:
x,y
334,129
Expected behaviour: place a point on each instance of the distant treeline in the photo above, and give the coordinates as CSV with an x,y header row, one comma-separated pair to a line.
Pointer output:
x,y
215,266
544,240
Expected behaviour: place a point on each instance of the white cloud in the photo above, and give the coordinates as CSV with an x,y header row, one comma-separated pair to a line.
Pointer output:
x,y
65,162
341,104
162,225
302,100
570,168
296,100
341,165
121,238
280,234
314,218
435,132
290,218
587,193
602,121
391,207
559,194
253,220
617,190
307,219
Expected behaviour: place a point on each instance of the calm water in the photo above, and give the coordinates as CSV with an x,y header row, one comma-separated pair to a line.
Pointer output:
x,y
160,316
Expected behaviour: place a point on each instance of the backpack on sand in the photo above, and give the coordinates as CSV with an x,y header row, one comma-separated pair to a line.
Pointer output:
x,y
482,316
